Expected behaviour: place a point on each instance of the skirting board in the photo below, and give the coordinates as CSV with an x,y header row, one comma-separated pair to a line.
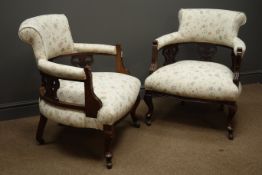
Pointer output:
x,y
21,109
30,108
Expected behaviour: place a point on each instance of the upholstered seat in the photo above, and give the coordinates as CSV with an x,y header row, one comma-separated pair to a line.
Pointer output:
x,y
195,79
118,93
199,81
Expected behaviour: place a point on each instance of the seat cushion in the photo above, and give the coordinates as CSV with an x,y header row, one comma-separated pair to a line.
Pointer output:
x,y
195,79
118,93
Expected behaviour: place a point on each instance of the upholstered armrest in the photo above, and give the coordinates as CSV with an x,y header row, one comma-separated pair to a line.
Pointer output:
x,y
61,71
239,44
171,38
94,48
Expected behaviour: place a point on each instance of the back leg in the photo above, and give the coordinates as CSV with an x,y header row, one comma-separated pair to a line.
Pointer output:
x,y
149,103
40,129
133,113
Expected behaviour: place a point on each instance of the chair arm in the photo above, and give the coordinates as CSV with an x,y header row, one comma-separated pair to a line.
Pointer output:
x,y
95,48
61,71
171,38
104,49
52,72
238,44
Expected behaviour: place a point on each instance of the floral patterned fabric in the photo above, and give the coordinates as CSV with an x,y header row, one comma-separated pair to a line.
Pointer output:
x,y
50,36
195,79
118,93
95,48
60,70
54,35
207,25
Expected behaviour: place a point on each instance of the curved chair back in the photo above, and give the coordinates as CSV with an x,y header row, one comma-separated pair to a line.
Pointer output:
x,y
49,35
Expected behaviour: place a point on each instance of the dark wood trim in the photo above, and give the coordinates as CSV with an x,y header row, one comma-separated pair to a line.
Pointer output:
x,y
154,65
236,63
79,54
149,102
109,135
232,109
40,129
133,113
120,68
92,102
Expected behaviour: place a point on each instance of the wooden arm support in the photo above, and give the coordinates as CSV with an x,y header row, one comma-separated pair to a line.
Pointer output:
x,y
236,63
120,67
153,66
92,102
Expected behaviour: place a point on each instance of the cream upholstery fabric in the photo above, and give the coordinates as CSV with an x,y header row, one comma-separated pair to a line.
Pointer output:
x,y
54,34
118,93
61,71
50,36
95,48
207,25
195,79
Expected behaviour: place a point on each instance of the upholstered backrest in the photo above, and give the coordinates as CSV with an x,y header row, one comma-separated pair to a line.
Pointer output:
x,y
49,35
210,25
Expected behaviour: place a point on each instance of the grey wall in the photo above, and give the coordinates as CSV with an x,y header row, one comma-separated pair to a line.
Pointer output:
x,y
134,24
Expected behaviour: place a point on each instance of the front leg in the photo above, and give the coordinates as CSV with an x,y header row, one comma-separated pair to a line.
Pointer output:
x,y
109,135
149,103
231,113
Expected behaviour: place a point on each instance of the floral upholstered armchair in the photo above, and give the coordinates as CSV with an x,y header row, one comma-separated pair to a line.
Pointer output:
x,y
199,81
72,95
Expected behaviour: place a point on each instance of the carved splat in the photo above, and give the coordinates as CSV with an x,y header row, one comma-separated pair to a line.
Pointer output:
x,y
170,54
206,51
50,85
82,60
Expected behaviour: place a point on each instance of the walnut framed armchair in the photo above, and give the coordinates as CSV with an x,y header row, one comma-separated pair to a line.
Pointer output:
x,y
199,80
73,95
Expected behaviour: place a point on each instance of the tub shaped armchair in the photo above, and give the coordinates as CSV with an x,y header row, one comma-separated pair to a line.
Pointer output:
x,y
73,95
199,80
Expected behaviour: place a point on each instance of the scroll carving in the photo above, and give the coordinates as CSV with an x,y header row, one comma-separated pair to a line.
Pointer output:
x,y
82,60
49,86
206,51
170,54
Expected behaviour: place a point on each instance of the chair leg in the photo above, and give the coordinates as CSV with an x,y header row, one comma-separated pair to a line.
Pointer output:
x,y
149,103
133,113
231,113
109,135
40,129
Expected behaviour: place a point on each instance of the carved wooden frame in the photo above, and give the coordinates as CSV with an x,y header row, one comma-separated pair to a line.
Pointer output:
x,y
50,85
169,53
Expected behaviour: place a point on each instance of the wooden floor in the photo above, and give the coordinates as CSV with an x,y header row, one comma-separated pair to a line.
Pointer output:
x,y
185,139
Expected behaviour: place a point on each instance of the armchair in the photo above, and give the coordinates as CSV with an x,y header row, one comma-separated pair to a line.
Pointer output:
x,y
73,95
199,80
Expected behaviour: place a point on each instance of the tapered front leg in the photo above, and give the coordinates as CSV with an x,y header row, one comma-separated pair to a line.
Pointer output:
x,y
40,129
133,113
149,103
231,113
109,135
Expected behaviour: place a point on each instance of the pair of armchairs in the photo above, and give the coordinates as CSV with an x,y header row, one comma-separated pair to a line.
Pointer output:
x,y
75,96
